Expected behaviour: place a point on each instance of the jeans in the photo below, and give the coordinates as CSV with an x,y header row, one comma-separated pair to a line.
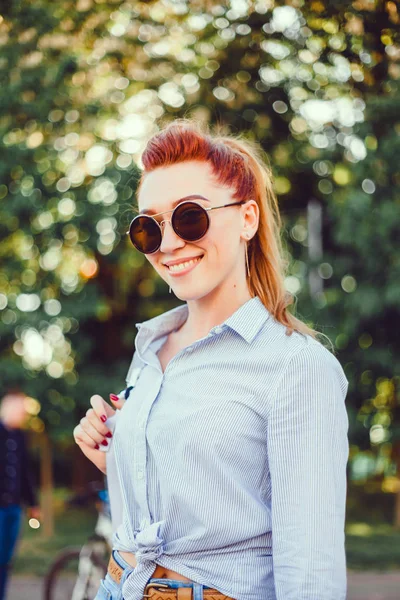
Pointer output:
x,y
10,520
110,590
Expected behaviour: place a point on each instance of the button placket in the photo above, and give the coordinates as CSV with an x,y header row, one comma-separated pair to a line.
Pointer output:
x,y
140,467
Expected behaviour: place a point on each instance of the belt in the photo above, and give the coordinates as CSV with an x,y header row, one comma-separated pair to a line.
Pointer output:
x,y
161,591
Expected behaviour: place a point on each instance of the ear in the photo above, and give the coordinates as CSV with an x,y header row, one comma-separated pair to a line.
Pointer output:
x,y
251,215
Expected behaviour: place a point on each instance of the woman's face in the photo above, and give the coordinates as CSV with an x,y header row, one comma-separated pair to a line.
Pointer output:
x,y
216,261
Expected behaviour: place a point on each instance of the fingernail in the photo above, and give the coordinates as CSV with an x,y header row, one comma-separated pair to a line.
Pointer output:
x,y
114,397
108,434
105,443
97,447
103,418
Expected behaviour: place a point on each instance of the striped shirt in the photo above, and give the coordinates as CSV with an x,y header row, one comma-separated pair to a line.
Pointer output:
x,y
232,463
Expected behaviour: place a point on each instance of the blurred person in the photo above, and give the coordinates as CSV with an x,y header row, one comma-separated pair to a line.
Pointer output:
x,y
16,487
229,443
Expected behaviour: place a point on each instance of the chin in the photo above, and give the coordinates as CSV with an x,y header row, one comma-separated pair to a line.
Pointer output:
x,y
191,293
187,296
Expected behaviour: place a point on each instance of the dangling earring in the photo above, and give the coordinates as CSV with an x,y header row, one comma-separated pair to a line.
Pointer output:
x,y
247,261
247,256
170,289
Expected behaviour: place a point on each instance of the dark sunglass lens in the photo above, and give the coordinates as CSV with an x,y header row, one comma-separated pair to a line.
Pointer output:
x,y
145,235
190,221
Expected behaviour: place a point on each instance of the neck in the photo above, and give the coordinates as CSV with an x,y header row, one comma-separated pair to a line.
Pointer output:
x,y
212,310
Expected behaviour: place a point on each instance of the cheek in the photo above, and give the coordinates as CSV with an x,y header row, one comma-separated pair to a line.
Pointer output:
x,y
222,256
150,258
155,263
226,226
223,241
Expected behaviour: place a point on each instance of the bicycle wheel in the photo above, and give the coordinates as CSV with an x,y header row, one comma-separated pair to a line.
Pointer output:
x,y
74,575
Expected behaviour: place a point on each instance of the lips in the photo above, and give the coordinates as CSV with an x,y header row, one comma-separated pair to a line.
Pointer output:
x,y
179,261
183,266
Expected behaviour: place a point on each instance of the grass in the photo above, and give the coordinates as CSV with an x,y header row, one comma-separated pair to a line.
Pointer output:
x,y
372,547
368,547
35,554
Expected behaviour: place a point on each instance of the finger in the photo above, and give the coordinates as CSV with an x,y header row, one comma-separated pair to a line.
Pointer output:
x,y
97,423
91,431
76,433
117,401
82,438
101,408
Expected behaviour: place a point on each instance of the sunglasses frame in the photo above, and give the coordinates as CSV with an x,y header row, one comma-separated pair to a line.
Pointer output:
x,y
152,217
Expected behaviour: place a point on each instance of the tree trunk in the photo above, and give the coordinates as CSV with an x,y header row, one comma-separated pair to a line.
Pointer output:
x,y
46,486
397,502
83,471
397,510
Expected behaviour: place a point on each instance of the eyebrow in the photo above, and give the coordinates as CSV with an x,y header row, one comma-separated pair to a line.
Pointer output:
x,y
149,211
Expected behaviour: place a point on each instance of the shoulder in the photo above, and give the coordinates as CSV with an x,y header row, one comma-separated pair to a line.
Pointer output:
x,y
298,353
315,359
312,380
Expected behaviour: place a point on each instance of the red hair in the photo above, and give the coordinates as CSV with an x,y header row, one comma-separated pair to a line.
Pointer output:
x,y
240,165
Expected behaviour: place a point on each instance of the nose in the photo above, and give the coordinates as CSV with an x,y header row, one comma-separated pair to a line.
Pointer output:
x,y
170,241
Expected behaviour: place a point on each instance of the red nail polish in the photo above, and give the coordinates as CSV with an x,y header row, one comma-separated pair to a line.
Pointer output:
x,y
105,443
114,397
97,447
103,418
108,434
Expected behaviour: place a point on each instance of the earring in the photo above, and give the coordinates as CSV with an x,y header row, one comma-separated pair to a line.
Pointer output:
x,y
170,289
247,260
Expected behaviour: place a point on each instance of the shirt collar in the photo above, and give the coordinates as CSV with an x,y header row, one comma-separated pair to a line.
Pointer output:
x,y
247,321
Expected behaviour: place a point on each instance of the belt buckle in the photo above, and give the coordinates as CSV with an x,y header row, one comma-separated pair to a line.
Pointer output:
x,y
154,585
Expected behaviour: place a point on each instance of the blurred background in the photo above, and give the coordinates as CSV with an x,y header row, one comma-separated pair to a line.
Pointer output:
x,y
84,84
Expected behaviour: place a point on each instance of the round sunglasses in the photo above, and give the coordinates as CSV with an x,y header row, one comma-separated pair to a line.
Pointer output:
x,y
189,220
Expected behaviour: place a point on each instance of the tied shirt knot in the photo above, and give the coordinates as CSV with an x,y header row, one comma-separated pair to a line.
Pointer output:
x,y
148,545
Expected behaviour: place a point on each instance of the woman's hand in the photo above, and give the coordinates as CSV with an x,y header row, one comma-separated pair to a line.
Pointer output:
x,y
91,431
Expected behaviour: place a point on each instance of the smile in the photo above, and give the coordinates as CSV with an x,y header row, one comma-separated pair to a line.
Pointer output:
x,y
184,267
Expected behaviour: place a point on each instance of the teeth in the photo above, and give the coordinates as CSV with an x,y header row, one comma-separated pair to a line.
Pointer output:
x,y
183,265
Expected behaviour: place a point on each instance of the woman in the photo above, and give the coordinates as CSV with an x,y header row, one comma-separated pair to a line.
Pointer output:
x,y
231,449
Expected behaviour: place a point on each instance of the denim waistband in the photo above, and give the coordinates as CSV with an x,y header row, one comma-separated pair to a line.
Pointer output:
x,y
122,563
172,583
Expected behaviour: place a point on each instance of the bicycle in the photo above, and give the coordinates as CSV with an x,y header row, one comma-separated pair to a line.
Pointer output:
x,y
76,572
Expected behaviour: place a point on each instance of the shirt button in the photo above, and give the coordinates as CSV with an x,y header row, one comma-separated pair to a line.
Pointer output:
x,y
189,350
11,471
11,445
218,329
140,475
11,457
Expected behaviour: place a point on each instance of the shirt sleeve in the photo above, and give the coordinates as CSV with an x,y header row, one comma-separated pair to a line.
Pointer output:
x,y
307,453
